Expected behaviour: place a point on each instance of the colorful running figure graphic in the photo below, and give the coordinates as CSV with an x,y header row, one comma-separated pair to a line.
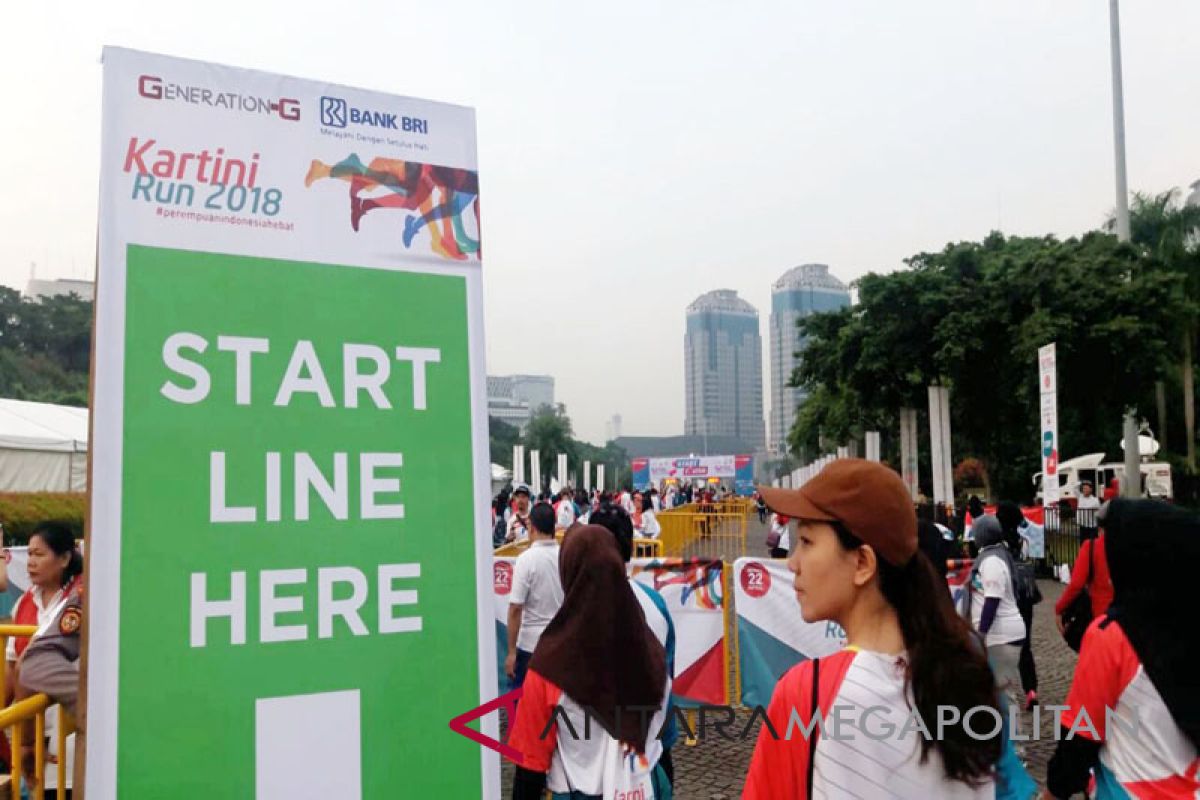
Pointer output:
x,y
411,186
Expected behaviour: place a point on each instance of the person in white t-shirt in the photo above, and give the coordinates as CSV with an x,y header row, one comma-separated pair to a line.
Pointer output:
x,y
518,521
645,522
537,594
626,501
993,607
1086,507
780,529
564,510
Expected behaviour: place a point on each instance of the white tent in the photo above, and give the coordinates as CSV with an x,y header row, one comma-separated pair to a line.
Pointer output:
x,y
43,447
500,478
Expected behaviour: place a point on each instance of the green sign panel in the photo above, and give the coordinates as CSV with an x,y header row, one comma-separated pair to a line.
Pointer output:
x,y
288,552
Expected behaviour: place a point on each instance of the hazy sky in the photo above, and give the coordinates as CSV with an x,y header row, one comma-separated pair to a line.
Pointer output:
x,y
635,154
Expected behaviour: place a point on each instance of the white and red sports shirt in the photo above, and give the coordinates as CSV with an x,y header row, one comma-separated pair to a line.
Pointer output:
x,y
1144,754
851,763
581,756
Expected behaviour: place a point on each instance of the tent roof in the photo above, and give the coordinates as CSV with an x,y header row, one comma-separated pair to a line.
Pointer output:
x,y
42,426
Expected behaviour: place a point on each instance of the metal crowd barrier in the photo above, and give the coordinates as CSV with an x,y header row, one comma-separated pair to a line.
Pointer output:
x,y
695,531
1065,528
642,547
14,718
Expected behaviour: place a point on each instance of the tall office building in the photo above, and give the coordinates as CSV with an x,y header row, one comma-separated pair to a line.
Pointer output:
x,y
723,369
516,399
800,292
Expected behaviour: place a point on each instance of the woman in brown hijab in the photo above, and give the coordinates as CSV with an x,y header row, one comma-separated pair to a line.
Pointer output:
x,y
595,696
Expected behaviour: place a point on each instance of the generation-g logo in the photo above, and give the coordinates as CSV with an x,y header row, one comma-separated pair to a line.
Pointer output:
x,y
153,87
337,113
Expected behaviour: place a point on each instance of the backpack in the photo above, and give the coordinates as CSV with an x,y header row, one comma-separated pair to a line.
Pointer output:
x,y
1025,583
500,532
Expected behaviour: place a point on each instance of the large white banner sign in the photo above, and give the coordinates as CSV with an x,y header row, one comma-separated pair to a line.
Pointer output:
x,y
290,571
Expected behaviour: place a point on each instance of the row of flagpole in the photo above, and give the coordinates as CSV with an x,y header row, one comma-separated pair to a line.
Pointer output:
x,y
563,476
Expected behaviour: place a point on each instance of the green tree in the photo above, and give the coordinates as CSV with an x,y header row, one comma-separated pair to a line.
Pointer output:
x,y
549,433
502,437
972,318
45,348
1168,230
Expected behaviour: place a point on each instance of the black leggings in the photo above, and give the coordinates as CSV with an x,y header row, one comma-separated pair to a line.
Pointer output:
x,y
1029,681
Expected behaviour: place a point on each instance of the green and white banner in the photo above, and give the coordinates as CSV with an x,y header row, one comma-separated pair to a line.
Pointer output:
x,y
291,575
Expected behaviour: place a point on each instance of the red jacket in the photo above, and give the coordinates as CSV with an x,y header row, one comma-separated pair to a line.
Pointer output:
x,y
1098,582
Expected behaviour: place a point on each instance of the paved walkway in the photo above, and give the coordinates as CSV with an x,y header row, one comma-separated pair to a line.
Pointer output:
x,y
715,769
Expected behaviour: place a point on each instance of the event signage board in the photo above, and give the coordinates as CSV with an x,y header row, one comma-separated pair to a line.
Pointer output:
x,y
1048,393
694,593
291,576
739,469
772,636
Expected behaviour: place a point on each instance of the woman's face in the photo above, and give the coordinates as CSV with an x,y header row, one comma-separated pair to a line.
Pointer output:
x,y
826,575
637,502
45,566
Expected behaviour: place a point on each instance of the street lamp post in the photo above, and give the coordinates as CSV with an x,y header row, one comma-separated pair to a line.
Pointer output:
x,y
1132,485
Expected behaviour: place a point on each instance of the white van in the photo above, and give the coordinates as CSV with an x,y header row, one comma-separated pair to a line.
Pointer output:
x,y
1156,477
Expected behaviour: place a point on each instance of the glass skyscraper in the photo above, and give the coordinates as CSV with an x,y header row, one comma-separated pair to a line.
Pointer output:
x,y
800,292
723,369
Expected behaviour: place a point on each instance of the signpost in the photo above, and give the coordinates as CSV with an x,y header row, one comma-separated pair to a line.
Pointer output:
x,y
290,578
1048,390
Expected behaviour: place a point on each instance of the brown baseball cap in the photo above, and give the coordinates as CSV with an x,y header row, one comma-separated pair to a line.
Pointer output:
x,y
868,498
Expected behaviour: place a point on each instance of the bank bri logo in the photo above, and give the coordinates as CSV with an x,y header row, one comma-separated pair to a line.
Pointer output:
x,y
337,113
333,112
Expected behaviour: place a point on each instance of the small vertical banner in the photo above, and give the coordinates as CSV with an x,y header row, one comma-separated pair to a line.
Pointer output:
x,y
939,441
535,471
1048,389
872,444
518,464
587,476
908,451
563,478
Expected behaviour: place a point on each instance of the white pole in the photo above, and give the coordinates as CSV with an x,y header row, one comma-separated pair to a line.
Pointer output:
x,y
1114,23
1132,485
936,450
587,476
600,477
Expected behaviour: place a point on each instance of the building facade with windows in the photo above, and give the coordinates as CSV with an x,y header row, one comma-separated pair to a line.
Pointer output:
x,y
800,292
723,369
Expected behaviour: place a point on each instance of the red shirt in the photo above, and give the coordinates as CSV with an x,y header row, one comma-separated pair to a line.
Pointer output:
x,y
1098,582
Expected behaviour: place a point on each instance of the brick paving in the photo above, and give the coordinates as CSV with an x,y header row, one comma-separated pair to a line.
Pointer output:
x,y
715,769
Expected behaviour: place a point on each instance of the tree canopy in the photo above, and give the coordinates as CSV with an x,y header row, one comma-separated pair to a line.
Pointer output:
x,y
45,348
972,318
550,433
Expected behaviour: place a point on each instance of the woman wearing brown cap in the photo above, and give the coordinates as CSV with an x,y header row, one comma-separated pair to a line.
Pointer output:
x,y
856,563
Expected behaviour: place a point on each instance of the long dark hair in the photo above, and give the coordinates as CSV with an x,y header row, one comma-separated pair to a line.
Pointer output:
x,y
946,665
58,538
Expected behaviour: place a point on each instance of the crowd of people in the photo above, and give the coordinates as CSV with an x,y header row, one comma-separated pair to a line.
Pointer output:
x,y
585,643
511,507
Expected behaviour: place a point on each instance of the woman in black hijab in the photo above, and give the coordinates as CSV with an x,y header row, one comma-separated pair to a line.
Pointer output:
x,y
1142,662
597,662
